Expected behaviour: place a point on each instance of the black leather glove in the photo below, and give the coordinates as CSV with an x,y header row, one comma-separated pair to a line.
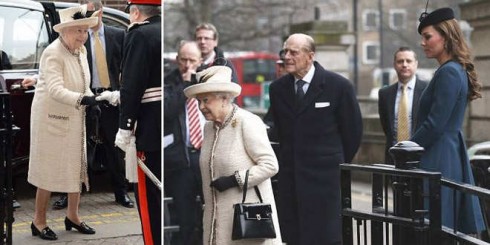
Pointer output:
x,y
89,100
224,183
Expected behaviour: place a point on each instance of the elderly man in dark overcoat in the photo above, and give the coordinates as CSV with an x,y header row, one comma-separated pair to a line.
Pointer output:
x,y
319,126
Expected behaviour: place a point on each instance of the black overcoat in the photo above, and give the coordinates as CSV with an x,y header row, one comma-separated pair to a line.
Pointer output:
x,y
142,69
315,137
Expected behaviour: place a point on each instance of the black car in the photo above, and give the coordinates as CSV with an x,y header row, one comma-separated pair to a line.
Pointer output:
x,y
25,31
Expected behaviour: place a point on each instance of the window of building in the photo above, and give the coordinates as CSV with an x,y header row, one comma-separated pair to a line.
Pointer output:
x,y
370,19
370,54
398,18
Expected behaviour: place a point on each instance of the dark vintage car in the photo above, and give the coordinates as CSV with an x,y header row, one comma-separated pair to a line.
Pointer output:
x,y
25,31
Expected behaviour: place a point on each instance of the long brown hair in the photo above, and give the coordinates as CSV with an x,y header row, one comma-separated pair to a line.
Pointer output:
x,y
459,51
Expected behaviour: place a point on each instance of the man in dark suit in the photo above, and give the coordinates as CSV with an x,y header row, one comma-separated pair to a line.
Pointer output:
x,y
319,126
182,175
112,39
405,64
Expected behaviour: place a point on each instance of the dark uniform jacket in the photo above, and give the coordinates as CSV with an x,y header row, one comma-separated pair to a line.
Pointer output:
x,y
142,69
386,110
176,155
315,137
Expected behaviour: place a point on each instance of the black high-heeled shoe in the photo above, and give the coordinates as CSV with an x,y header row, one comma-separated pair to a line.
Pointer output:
x,y
82,228
45,234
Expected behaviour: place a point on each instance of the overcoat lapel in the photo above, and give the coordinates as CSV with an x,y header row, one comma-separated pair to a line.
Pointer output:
x,y
391,105
416,95
108,40
288,92
315,89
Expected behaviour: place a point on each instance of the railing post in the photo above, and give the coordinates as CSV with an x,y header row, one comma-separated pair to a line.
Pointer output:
x,y
6,191
346,197
407,192
435,218
377,205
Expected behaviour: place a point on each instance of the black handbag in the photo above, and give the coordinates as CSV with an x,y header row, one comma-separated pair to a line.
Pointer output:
x,y
252,220
96,152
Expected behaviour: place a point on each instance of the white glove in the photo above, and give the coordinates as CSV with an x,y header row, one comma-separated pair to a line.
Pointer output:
x,y
111,96
131,161
123,138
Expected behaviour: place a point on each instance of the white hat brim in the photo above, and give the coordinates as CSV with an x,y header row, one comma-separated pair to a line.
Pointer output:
x,y
201,88
90,22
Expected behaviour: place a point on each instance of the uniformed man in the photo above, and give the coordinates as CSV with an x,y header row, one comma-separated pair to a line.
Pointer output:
x,y
141,106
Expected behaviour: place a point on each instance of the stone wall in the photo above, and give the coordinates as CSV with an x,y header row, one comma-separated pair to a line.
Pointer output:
x,y
477,14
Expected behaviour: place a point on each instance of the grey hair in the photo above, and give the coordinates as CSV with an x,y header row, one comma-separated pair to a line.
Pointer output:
x,y
147,10
97,4
225,95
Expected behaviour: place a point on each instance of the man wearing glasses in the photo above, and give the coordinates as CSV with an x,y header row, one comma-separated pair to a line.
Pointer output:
x,y
207,37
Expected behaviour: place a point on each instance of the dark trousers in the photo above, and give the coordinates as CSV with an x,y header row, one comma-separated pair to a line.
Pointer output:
x,y
149,200
114,158
184,185
115,164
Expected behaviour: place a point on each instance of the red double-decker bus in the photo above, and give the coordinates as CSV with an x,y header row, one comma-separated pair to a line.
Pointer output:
x,y
253,69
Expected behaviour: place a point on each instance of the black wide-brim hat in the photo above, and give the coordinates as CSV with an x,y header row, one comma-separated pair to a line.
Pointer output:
x,y
436,16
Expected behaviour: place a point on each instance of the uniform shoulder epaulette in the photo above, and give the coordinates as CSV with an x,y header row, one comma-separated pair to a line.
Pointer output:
x,y
137,24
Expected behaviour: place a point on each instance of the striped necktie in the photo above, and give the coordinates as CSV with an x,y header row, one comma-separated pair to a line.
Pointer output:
x,y
195,134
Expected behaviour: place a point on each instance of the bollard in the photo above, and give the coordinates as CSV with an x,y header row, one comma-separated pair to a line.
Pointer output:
x,y
406,154
407,192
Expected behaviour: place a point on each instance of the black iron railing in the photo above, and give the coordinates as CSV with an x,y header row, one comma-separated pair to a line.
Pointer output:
x,y
7,131
397,214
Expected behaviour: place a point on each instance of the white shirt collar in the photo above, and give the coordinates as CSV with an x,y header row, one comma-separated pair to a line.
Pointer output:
x,y
410,84
101,31
309,75
210,59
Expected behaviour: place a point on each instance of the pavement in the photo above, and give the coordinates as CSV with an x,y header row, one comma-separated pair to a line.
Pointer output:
x,y
114,224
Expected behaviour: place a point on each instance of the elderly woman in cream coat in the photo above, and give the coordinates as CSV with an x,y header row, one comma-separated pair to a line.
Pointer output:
x,y
58,153
235,141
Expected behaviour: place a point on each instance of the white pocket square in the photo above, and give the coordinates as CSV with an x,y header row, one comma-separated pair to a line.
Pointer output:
x,y
322,104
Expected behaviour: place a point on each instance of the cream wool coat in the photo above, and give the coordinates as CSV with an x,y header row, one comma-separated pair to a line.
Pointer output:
x,y
57,160
240,145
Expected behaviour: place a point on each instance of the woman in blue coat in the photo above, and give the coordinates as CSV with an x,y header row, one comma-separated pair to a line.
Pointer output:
x,y
441,115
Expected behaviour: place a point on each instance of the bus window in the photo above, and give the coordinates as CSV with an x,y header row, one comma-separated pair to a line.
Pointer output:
x,y
258,70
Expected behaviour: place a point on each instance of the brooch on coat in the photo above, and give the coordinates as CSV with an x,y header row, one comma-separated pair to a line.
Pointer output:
x,y
234,122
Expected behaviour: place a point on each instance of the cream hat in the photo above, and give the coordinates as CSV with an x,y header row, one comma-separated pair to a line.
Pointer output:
x,y
75,16
213,79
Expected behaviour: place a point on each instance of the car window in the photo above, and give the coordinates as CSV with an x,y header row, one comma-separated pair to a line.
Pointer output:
x,y
115,22
23,37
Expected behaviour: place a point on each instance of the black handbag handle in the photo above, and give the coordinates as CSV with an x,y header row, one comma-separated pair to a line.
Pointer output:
x,y
245,188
